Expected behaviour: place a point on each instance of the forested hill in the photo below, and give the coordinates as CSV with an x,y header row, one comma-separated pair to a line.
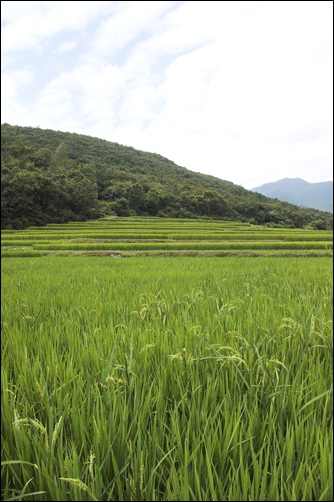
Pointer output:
x,y
53,177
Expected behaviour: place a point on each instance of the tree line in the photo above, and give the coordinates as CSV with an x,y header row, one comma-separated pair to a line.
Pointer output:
x,y
55,177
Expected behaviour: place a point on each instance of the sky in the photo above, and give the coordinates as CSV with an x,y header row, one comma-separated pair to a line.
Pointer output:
x,y
240,90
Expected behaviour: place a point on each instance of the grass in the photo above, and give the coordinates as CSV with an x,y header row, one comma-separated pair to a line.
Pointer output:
x,y
166,378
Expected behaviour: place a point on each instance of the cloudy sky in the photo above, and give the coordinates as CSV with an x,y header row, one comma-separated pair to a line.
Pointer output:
x,y
241,90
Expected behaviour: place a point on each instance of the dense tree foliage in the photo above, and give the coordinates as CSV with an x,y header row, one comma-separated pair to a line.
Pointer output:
x,y
51,176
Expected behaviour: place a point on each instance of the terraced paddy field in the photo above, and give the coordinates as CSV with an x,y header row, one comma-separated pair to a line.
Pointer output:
x,y
131,236
166,376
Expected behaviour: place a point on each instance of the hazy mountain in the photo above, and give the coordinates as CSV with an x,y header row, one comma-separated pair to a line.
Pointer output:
x,y
300,192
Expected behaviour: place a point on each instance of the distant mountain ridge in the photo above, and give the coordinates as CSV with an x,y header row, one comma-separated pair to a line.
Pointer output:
x,y
300,192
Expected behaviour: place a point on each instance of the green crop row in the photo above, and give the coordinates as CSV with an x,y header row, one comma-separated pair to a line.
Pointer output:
x,y
20,253
43,238
83,235
23,242
186,245
137,234
287,236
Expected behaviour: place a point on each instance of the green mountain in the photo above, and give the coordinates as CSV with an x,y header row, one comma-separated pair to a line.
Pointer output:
x,y
300,192
53,177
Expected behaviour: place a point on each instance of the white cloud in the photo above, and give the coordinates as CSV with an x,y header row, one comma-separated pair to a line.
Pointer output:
x,y
66,46
239,90
131,21
13,83
28,24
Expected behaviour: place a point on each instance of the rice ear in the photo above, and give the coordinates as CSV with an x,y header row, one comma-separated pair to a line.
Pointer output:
x,y
79,484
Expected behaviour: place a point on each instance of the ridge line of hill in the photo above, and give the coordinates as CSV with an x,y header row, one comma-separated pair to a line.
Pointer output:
x,y
298,191
54,177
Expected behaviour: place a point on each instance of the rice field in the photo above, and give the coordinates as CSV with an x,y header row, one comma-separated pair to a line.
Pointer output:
x,y
131,236
156,378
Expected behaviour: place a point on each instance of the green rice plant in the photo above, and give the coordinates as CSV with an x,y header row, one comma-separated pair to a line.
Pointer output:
x,y
159,378
179,235
222,245
250,236
84,235
20,253
24,242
